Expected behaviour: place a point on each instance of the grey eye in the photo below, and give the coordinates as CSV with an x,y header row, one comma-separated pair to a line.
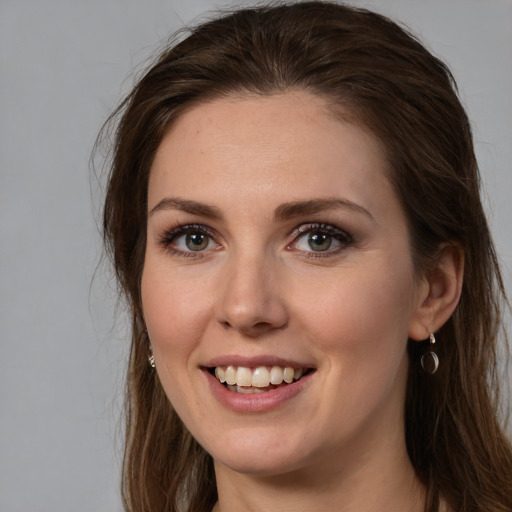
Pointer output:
x,y
321,238
196,241
319,241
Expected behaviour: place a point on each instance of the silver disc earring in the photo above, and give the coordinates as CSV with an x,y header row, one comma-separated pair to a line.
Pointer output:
x,y
429,360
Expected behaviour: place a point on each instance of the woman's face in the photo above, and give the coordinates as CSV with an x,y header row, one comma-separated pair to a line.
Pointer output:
x,y
277,246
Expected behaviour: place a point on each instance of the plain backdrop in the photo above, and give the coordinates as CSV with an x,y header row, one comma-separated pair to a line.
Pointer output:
x,y
64,65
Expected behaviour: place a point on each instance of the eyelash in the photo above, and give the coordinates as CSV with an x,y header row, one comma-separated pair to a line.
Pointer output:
x,y
345,240
169,237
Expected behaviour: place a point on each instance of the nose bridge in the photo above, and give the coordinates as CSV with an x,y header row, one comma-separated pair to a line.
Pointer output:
x,y
251,300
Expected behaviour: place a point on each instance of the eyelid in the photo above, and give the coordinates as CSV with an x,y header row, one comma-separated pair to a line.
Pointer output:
x,y
170,234
344,238
330,229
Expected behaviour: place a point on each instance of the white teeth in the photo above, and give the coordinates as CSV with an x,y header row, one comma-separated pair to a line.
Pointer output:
x,y
240,389
246,391
288,375
260,377
250,379
244,376
220,373
230,375
276,375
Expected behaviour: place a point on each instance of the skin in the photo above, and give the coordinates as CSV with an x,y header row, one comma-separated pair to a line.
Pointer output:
x,y
258,288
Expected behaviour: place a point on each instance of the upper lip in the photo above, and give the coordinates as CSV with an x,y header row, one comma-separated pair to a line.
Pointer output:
x,y
255,361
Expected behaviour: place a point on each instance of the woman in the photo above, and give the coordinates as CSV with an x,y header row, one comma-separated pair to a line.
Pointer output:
x,y
293,213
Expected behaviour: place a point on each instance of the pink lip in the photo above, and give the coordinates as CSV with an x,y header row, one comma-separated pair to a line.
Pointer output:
x,y
255,361
256,402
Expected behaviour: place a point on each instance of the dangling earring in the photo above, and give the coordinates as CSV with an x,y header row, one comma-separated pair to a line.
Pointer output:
x,y
151,357
429,360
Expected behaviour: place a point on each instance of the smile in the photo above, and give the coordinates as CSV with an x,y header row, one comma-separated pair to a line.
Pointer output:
x,y
242,379
259,384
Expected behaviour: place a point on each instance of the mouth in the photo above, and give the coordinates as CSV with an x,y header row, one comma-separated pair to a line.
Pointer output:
x,y
258,379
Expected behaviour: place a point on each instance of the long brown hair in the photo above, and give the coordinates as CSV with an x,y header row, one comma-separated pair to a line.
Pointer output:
x,y
390,83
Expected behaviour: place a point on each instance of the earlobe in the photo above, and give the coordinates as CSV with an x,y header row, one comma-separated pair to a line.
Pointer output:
x,y
442,287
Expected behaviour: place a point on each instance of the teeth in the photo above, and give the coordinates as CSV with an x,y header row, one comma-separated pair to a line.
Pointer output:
x,y
220,373
288,375
260,377
244,376
276,375
250,380
230,375
246,391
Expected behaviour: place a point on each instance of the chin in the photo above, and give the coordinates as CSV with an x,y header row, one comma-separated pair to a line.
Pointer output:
x,y
257,467
258,455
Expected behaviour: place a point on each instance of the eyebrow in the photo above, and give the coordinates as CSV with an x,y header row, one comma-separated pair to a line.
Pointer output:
x,y
188,206
299,208
283,212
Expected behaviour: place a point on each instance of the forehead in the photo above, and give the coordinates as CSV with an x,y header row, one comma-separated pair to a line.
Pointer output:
x,y
289,144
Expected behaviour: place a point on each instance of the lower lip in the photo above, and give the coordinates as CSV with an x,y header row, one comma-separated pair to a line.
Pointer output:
x,y
256,402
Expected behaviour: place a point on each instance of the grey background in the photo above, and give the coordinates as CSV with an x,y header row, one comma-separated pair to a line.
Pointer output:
x,y
63,67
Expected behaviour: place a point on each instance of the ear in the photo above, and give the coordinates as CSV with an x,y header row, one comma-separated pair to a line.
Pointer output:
x,y
439,293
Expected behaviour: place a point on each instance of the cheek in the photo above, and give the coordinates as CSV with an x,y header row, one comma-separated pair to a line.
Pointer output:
x,y
174,307
360,318
175,319
360,327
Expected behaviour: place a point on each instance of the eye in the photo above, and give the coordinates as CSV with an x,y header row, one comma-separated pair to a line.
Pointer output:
x,y
321,238
319,241
189,239
192,242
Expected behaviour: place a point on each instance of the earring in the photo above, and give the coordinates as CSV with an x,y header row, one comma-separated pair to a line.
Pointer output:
x,y
151,357
429,360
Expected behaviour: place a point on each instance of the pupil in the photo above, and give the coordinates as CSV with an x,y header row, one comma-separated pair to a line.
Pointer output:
x,y
196,241
319,242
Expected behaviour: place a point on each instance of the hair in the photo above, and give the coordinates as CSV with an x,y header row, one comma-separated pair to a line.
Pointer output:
x,y
366,65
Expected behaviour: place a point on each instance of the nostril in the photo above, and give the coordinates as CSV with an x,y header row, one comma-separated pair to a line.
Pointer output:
x,y
250,330
261,325
256,329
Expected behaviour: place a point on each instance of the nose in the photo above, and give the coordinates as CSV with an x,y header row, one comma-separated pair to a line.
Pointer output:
x,y
251,300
